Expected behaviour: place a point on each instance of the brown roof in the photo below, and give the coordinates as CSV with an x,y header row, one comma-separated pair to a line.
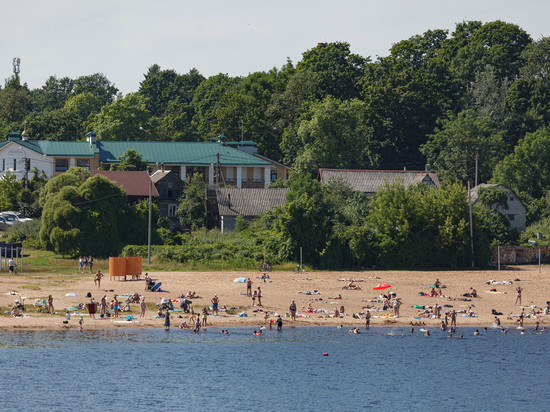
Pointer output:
x,y
249,202
134,183
370,181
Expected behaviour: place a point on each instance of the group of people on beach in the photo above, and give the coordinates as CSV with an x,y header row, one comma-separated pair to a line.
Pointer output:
x,y
84,263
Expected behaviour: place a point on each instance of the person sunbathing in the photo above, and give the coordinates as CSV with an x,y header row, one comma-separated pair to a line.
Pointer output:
x,y
336,297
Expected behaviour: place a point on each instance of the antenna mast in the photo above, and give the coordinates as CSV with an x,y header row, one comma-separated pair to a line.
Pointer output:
x,y
16,66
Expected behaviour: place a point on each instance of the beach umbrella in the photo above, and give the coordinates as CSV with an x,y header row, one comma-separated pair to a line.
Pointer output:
x,y
72,294
240,280
381,286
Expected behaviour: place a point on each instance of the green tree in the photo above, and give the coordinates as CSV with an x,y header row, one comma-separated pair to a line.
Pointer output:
x,y
131,160
98,85
88,217
452,149
53,94
339,69
527,169
9,190
191,209
122,119
75,176
335,136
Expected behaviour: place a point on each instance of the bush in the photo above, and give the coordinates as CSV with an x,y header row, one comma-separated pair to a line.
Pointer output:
x,y
27,232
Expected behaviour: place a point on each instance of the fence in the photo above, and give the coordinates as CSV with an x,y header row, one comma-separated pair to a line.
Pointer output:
x,y
513,255
9,252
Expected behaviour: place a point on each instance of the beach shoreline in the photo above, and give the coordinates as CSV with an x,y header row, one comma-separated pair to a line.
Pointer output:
x,y
312,289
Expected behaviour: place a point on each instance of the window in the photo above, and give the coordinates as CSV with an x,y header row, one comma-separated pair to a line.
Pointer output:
x,y
273,175
172,209
3,164
512,198
84,163
14,164
61,165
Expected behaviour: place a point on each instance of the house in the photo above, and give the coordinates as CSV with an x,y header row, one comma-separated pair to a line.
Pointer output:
x,y
216,161
516,212
370,181
248,203
135,184
170,188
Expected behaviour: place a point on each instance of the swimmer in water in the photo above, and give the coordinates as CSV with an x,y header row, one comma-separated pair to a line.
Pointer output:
x,y
476,333
427,333
412,331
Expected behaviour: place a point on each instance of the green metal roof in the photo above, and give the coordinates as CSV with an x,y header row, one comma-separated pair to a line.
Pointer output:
x,y
55,148
175,153
184,153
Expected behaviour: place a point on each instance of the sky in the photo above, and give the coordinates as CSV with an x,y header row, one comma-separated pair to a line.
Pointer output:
x,y
123,38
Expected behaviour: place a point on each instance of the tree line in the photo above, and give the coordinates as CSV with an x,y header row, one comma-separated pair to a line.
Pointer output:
x,y
438,98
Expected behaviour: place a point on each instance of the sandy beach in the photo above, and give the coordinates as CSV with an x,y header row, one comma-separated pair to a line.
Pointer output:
x,y
315,288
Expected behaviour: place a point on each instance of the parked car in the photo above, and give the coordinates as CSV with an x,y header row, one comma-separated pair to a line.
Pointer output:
x,y
4,223
15,216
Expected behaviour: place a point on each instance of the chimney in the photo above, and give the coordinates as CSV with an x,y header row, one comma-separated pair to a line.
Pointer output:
x,y
91,137
427,167
404,168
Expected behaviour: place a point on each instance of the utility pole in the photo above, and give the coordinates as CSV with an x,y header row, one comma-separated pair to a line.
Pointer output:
x,y
477,160
150,218
471,223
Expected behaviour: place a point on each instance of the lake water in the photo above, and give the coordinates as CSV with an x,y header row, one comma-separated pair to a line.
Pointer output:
x,y
382,368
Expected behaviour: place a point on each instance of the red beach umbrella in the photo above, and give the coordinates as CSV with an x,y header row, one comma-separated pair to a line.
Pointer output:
x,y
381,286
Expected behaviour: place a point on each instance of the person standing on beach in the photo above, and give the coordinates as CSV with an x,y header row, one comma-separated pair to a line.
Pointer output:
x,y
80,262
116,306
249,287
367,320
103,305
254,298
259,295
84,264
50,304
80,322
167,321
453,319
215,302
519,289
292,309
396,306
11,266
204,317
142,307
91,264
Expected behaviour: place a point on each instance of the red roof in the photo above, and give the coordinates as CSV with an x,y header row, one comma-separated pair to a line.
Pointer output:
x,y
134,183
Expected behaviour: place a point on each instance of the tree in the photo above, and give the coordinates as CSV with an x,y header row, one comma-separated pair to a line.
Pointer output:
x,y
452,149
205,101
53,94
191,209
75,176
339,69
98,85
335,136
122,119
131,160
88,217
527,169
9,190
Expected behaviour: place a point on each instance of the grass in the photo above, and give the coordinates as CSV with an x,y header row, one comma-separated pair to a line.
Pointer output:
x,y
41,264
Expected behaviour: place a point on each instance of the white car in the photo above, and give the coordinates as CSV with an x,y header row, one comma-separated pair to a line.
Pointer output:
x,y
4,224
14,217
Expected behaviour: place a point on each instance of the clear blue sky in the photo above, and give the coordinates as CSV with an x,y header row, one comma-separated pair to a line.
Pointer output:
x,y
122,38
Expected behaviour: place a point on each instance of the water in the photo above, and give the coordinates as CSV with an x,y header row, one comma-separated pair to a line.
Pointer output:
x,y
383,368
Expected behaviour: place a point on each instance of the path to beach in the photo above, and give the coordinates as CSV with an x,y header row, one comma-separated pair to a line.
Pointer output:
x,y
279,291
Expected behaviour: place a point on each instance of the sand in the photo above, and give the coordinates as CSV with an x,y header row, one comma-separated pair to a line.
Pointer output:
x,y
278,292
